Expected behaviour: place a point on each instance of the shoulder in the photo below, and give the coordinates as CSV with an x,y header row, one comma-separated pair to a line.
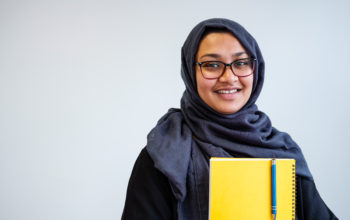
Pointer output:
x,y
143,162
148,195
145,172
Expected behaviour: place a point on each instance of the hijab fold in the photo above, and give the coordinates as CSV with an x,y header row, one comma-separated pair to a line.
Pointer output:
x,y
184,139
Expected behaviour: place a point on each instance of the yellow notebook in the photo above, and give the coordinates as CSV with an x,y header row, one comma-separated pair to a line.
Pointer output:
x,y
240,188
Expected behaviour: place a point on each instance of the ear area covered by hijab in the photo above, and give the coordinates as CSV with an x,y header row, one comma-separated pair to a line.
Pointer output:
x,y
195,127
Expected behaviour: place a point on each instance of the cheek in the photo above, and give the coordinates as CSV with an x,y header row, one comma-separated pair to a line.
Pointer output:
x,y
204,86
247,82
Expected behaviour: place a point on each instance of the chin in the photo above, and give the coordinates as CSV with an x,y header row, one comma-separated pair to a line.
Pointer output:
x,y
227,111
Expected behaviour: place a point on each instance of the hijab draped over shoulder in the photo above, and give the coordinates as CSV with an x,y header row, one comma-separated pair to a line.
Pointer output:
x,y
184,139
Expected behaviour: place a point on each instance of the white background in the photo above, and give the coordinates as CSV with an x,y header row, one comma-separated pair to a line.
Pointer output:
x,y
83,82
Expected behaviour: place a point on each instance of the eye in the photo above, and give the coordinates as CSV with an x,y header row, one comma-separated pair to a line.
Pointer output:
x,y
241,63
211,65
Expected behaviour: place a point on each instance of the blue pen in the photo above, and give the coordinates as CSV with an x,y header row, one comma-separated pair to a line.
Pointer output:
x,y
274,199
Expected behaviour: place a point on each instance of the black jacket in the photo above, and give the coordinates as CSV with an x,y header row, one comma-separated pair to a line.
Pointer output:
x,y
149,196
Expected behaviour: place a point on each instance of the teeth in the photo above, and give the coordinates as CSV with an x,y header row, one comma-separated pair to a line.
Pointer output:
x,y
227,91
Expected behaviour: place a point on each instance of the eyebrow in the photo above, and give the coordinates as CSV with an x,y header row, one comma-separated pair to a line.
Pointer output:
x,y
214,55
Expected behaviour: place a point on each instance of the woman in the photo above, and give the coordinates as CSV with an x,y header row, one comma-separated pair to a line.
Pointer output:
x,y
223,71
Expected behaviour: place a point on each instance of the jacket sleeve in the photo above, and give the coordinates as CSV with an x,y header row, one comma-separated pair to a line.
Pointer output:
x,y
148,195
309,205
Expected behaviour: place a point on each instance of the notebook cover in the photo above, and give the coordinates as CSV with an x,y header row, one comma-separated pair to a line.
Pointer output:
x,y
240,188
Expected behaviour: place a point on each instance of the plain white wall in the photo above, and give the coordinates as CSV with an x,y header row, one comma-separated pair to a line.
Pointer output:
x,y
83,82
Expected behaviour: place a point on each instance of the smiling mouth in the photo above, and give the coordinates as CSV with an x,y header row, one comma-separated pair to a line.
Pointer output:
x,y
227,91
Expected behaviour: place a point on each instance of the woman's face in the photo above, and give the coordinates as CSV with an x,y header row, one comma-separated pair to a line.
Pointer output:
x,y
228,93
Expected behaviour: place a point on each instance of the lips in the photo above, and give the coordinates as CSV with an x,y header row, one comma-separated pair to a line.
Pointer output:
x,y
227,90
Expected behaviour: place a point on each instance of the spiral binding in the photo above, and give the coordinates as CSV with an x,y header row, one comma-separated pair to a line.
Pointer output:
x,y
293,191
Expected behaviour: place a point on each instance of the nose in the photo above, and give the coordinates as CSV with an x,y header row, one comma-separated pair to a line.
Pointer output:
x,y
228,75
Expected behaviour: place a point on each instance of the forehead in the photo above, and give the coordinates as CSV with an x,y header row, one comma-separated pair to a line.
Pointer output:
x,y
222,42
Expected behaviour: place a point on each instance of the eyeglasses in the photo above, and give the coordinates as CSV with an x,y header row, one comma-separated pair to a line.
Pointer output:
x,y
215,69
